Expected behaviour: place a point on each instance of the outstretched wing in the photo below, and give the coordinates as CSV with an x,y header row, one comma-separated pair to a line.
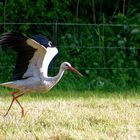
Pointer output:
x,y
33,54
42,57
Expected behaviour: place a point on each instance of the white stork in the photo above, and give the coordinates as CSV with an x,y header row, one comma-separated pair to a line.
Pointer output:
x,y
31,70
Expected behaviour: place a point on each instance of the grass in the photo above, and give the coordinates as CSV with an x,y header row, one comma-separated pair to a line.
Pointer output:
x,y
71,115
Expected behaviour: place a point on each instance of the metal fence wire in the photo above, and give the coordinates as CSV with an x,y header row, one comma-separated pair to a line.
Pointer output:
x,y
90,47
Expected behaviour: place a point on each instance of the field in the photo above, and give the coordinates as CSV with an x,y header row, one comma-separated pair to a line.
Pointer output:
x,y
71,115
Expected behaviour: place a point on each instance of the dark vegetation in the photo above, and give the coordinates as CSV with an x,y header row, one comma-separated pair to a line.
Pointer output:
x,y
102,39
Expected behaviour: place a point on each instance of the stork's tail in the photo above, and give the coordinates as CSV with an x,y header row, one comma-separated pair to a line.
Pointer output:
x,y
8,84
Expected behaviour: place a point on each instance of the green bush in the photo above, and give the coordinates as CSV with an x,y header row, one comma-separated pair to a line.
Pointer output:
x,y
106,51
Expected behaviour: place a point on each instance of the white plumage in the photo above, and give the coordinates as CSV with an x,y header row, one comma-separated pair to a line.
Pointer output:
x,y
41,59
31,70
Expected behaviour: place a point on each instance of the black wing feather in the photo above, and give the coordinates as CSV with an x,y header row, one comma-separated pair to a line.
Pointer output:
x,y
17,42
43,40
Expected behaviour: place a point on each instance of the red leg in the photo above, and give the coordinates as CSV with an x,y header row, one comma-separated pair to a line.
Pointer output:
x,y
15,92
22,110
15,98
9,107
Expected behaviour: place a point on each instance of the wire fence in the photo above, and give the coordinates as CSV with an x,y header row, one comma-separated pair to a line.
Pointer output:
x,y
108,54
69,36
69,24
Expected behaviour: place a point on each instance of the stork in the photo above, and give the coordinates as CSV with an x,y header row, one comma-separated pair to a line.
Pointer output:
x,y
31,69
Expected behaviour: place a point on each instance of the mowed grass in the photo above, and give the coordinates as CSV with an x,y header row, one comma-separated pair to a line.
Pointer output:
x,y
71,115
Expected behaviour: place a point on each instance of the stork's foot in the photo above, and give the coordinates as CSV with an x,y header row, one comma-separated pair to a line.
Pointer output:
x,y
22,112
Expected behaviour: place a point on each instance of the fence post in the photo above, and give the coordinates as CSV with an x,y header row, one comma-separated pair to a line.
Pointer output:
x,y
53,63
4,15
55,32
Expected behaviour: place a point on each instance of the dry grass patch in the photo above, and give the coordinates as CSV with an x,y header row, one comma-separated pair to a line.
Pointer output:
x,y
72,119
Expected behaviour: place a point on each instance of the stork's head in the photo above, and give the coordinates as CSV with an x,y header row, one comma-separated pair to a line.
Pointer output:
x,y
67,66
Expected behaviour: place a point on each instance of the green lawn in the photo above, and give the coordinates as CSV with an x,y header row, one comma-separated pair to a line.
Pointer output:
x,y
70,115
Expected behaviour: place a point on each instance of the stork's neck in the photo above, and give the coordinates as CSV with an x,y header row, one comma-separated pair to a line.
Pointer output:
x,y
54,80
60,74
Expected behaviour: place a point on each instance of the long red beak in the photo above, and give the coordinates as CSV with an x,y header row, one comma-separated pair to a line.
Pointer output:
x,y
74,70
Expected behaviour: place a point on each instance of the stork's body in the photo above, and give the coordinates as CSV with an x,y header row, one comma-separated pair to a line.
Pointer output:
x,y
41,84
31,70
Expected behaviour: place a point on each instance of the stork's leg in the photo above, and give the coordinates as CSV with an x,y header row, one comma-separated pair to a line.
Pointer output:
x,y
9,107
15,99
15,92
22,110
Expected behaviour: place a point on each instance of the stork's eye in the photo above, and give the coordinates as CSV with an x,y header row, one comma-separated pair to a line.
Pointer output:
x,y
67,65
